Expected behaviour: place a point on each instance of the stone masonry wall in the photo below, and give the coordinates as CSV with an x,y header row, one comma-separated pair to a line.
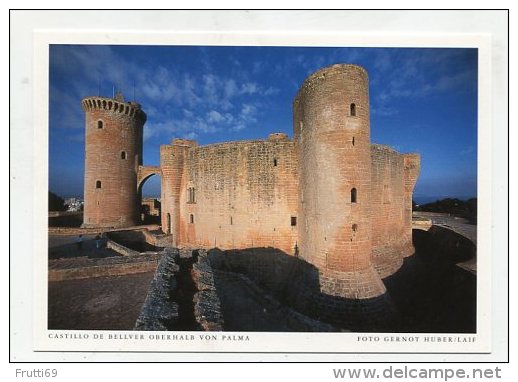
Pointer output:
x,y
389,228
158,311
85,268
113,151
245,195
412,165
297,284
332,133
172,162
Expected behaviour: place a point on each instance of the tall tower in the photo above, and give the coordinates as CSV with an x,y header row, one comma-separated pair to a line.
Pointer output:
x,y
332,135
113,152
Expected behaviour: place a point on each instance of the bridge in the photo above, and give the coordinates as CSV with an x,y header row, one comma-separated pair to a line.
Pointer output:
x,y
146,172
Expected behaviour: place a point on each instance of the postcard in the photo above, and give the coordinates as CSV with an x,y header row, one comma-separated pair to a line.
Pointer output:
x,y
262,193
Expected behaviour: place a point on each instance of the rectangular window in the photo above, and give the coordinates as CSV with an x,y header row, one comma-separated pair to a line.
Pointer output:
x,y
192,195
293,221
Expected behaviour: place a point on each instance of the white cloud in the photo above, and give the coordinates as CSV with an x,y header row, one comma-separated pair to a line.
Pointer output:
x,y
214,116
178,103
384,111
249,88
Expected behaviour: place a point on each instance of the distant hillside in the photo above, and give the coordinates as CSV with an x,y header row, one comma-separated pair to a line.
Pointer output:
x,y
466,209
56,203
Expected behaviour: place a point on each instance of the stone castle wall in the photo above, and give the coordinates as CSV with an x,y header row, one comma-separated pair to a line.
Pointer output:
x,y
151,206
388,205
329,196
332,129
244,194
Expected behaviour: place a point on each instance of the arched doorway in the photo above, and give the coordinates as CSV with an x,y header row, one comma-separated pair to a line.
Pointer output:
x,y
149,197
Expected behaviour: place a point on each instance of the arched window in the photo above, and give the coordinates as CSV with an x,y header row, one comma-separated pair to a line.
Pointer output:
x,y
99,124
355,227
123,155
98,184
353,195
353,110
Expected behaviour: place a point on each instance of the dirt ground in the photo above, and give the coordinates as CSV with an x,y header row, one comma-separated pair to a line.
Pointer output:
x,y
101,303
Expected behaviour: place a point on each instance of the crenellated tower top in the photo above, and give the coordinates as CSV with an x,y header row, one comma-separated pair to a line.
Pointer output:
x,y
115,105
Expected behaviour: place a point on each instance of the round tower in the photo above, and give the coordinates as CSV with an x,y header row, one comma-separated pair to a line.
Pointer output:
x,y
113,152
332,135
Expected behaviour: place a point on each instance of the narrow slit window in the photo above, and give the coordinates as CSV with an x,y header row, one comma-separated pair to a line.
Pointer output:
x,y
192,195
293,221
98,184
353,110
123,155
100,124
353,195
275,161
231,221
353,141
191,218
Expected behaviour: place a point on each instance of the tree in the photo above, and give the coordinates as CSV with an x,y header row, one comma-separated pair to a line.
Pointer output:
x,y
466,209
56,203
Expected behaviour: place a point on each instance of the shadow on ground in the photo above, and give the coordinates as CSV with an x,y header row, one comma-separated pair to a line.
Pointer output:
x,y
432,293
258,288
65,247
429,293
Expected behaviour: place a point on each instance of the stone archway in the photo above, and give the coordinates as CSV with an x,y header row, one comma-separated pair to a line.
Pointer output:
x,y
146,172
148,208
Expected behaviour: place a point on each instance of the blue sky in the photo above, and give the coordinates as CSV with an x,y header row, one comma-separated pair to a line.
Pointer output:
x,y
422,100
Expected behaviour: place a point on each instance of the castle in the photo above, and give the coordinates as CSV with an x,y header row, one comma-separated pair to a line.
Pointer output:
x,y
328,196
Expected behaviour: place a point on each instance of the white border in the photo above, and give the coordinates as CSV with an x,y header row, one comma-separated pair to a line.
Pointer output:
x,y
269,341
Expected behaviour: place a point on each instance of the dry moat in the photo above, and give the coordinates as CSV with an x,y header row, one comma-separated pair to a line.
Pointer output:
x,y
149,287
